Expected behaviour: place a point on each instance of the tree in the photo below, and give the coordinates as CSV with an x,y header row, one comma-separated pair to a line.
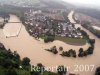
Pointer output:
x,y
92,41
85,53
2,46
49,39
81,52
17,56
54,50
8,63
85,34
40,68
90,50
74,54
97,71
34,73
26,61
65,53
60,48
11,72
49,73
61,70
78,28
70,53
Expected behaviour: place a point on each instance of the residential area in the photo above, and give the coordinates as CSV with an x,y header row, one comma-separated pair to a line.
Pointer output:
x,y
41,22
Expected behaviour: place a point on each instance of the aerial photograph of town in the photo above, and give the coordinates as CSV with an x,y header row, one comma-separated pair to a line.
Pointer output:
x,y
49,37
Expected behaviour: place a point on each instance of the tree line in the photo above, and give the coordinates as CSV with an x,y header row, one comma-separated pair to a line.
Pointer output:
x,y
11,64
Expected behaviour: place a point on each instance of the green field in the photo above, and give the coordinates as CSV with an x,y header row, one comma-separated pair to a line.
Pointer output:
x,y
72,41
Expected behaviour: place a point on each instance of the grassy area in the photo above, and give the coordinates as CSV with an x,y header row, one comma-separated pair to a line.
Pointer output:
x,y
22,72
72,41
2,70
49,73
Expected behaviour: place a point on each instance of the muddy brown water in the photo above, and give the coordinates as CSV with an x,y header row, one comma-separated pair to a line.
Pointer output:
x,y
27,46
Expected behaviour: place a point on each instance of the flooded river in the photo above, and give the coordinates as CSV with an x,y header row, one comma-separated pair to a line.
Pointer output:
x,y
27,46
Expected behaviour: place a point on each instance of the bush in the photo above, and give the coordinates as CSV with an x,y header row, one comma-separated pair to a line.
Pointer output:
x,y
2,46
61,70
70,53
65,54
97,71
26,61
11,72
85,34
90,50
49,39
60,48
92,41
86,52
49,73
40,67
81,52
53,50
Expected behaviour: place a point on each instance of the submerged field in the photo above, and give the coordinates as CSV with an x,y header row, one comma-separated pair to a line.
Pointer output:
x,y
12,29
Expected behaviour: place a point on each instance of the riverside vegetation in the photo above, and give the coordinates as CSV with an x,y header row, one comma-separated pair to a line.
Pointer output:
x,y
88,26
11,64
72,53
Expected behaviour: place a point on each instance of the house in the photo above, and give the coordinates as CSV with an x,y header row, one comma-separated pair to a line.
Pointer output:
x,y
42,22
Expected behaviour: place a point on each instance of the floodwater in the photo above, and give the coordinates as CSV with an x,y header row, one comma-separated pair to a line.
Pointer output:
x,y
96,27
12,29
27,46
1,19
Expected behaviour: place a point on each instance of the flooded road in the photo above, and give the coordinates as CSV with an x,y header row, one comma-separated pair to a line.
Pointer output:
x,y
27,46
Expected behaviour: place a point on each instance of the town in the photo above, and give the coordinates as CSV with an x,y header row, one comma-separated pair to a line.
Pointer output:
x,y
53,22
